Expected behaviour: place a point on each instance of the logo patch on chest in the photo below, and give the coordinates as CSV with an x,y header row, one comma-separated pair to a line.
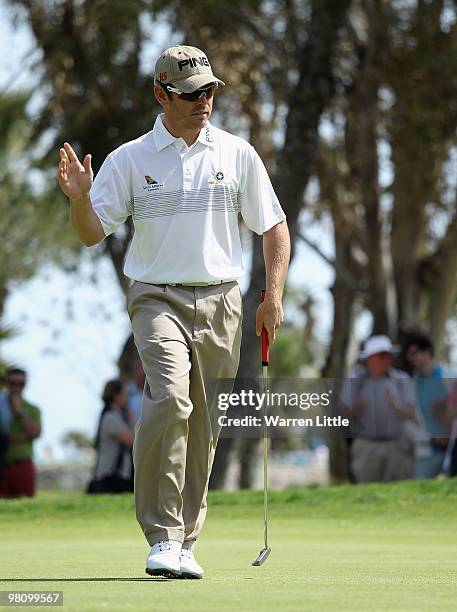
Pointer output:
x,y
219,178
152,184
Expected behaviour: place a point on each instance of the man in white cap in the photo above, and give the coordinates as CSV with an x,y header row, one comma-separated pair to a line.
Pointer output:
x,y
184,184
381,401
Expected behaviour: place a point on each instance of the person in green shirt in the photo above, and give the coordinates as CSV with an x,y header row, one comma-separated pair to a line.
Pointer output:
x,y
21,421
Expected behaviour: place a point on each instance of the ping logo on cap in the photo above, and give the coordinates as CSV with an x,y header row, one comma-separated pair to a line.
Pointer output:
x,y
187,68
192,62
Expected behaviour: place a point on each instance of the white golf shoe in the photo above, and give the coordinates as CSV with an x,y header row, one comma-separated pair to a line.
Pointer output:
x,y
189,566
164,559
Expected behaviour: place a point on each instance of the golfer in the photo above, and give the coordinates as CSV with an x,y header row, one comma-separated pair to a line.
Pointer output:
x,y
184,184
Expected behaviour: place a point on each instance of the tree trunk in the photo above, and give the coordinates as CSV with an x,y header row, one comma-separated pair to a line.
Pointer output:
x,y
343,319
362,155
344,292
416,159
311,94
439,278
335,367
128,359
407,244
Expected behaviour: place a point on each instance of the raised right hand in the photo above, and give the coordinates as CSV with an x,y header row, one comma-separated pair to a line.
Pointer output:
x,y
74,178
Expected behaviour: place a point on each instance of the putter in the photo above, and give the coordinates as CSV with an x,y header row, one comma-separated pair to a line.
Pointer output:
x,y
266,550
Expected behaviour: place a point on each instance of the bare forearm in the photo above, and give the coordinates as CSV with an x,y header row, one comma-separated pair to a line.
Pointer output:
x,y
85,222
407,411
30,429
25,436
276,252
18,437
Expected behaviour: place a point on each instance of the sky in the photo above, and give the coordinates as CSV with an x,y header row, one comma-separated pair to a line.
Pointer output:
x,y
71,327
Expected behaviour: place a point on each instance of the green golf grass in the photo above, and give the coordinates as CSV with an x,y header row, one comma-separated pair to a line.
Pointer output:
x,y
376,547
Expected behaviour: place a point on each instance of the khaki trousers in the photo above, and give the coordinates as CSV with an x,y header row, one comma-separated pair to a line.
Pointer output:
x,y
381,460
185,337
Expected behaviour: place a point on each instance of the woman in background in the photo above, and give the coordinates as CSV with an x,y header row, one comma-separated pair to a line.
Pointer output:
x,y
114,468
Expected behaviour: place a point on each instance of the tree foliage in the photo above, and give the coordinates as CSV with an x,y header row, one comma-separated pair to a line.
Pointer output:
x,y
32,221
78,440
387,174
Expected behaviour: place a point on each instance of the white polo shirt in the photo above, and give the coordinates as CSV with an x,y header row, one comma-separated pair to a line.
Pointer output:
x,y
185,202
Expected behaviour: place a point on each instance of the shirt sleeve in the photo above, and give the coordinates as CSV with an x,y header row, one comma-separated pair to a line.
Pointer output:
x,y
3,408
350,391
409,392
109,197
260,207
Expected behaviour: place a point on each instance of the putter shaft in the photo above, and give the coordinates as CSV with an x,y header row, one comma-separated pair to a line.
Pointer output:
x,y
265,460
265,552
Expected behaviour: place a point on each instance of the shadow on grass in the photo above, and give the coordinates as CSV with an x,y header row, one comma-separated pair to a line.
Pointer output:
x,y
119,579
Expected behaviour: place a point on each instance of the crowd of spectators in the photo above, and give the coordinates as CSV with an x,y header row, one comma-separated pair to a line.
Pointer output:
x,y
20,425
403,421
404,424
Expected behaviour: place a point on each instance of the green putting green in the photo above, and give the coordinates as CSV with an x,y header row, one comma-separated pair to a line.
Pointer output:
x,y
376,547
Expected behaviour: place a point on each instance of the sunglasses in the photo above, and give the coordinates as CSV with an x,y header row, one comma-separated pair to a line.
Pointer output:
x,y
193,96
16,383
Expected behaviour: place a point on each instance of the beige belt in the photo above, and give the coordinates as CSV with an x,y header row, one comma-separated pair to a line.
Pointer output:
x,y
218,282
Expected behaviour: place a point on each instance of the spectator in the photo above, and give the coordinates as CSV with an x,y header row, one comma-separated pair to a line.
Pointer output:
x,y
114,441
380,400
135,391
4,437
21,422
432,389
450,459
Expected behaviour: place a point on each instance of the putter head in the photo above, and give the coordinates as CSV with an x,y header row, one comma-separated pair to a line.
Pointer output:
x,y
263,556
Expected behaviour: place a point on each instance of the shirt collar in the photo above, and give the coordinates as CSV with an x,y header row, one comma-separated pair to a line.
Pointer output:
x,y
163,138
206,135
